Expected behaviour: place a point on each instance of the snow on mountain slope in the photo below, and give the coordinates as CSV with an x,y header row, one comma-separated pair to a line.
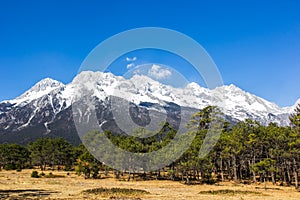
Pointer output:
x,y
291,109
296,104
46,99
240,104
231,99
40,89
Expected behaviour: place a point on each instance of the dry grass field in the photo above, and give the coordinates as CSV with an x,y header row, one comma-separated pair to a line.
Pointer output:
x,y
19,185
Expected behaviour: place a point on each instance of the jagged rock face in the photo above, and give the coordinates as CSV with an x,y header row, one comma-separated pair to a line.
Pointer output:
x,y
46,109
27,123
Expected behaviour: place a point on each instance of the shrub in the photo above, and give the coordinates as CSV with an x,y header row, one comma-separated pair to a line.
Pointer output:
x,y
68,168
115,191
95,171
51,175
42,174
78,170
34,174
10,166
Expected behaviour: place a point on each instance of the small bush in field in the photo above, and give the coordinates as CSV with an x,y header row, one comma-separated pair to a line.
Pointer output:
x,y
68,168
51,175
42,174
10,166
34,174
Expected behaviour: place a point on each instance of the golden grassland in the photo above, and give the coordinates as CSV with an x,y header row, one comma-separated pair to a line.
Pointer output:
x,y
19,185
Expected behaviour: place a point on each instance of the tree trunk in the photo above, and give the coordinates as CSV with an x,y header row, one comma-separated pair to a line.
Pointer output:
x,y
295,174
253,172
187,178
234,168
241,173
288,173
265,183
117,173
128,179
229,169
284,176
273,177
296,179
222,172
157,174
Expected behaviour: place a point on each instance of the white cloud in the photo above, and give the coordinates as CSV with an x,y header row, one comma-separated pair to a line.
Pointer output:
x,y
159,73
130,65
131,59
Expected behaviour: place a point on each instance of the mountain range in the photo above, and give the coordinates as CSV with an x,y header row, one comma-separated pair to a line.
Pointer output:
x,y
46,108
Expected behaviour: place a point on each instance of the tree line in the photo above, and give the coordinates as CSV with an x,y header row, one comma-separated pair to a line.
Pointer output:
x,y
245,152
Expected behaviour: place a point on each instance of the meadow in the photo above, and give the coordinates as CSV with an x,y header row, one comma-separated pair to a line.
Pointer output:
x,y
68,185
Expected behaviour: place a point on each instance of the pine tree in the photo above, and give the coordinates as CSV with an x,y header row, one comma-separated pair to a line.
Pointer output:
x,y
294,142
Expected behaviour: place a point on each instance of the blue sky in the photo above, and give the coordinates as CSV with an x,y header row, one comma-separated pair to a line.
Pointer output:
x,y
255,44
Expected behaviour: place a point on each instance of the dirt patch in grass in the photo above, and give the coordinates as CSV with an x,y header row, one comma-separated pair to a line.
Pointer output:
x,y
24,194
268,188
229,192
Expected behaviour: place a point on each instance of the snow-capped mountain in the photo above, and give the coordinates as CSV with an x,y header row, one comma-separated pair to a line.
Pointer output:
x,y
291,109
46,109
40,89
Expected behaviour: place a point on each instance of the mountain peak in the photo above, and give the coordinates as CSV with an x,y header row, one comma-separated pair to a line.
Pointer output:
x,y
46,84
140,78
193,85
41,88
230,88
91,76
233,87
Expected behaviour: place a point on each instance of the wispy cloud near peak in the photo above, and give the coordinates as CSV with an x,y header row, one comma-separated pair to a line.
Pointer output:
x,y
158,72
131,59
